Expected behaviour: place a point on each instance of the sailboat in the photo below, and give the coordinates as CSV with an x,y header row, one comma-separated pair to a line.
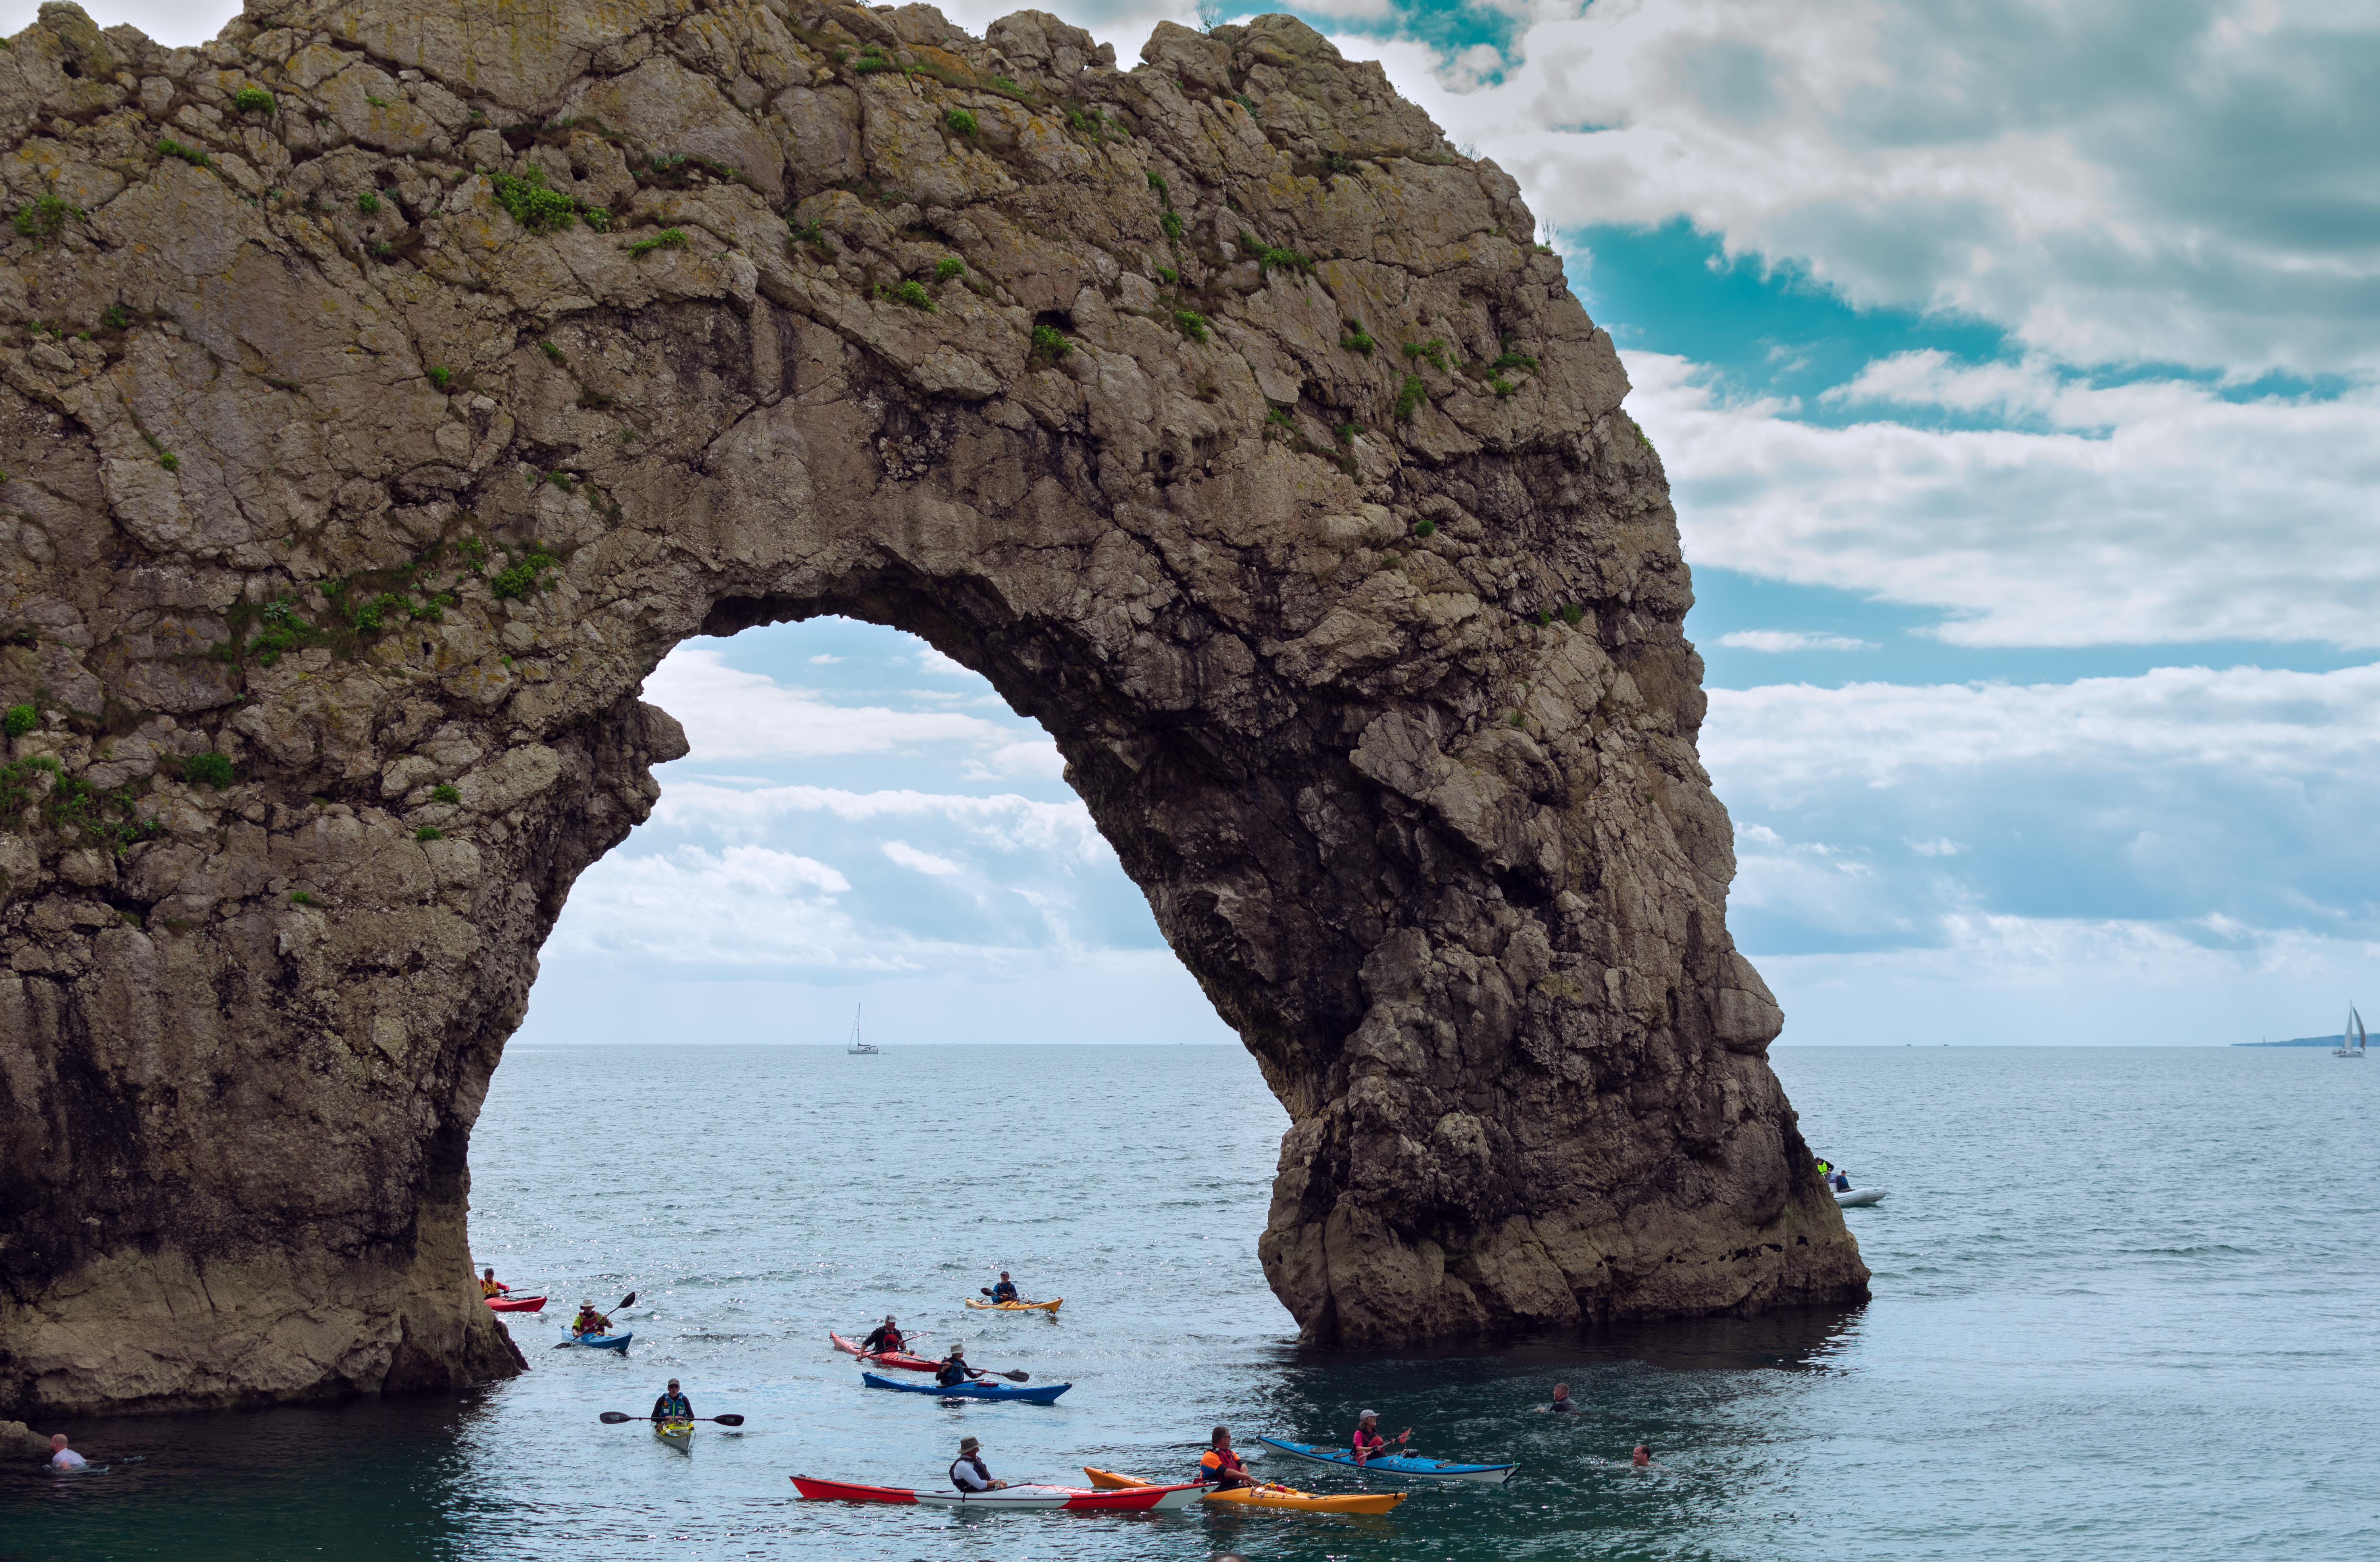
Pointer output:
x,y
858,1049
2351,1039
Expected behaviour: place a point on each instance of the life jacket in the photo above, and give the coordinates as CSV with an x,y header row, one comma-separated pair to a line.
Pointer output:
x,y
1217,1462
587,1322
1371,1448
490,1287
975,1463
885,1339
673,1407
1004,1292
953,1372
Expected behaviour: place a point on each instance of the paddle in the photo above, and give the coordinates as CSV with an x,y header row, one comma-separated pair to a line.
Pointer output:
x,y
620,1306
613,1418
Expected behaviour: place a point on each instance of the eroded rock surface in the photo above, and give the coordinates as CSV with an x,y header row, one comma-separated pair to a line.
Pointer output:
x,y
389,384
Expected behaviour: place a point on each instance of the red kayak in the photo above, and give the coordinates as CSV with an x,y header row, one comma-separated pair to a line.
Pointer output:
x,y
1043,1499
887,1358
517,1303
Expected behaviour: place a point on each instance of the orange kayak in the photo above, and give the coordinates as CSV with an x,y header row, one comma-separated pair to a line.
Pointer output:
x,y
1288,1499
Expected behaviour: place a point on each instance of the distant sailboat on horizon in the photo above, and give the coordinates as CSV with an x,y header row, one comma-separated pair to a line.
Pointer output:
x,y
858,1049
2351,1039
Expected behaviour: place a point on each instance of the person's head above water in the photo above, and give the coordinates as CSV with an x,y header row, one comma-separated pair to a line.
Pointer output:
x,y
1562,1390
58,1441
1643,1454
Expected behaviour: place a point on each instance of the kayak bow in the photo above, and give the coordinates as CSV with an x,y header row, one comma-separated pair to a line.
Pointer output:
x,y
1039,1394
896,1359
1077,1499
1286,1499
678,1434
1411,1465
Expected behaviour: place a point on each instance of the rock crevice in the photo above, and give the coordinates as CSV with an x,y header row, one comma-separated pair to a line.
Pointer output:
x,y
386,387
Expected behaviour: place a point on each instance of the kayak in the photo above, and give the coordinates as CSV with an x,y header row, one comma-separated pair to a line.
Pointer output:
x,y
678,1434
1289,1499
900,1359
515,1303
1139,1499
1039,1394
1398,1464
1856,1198
603,1342
1016,1306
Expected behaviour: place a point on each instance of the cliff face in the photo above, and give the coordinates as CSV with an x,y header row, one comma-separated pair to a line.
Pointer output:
x,y
385,387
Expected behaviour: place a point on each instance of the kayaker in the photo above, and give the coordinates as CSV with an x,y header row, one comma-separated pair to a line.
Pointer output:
x,y
886,1336
488,1286
1843,1181
1564,1404
955,1370
1643,1458
1368,1440
967,1472
1219,1467
588,1320
672,1405
1006,1290
62,1457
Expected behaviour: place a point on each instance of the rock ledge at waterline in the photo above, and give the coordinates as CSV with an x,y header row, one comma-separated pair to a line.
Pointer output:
x,y
390,386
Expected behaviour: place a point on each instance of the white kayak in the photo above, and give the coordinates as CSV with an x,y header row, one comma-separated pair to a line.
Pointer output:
x,y
1855,1197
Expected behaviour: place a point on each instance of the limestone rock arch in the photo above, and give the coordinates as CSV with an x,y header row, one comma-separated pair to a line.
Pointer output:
x,y
389,384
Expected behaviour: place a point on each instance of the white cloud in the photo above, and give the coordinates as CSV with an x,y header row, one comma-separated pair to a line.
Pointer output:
x,y
1788,739
2130,181
2148,513
908,856
824,660
1942,846
1007,823
934,661
1778,640
731,714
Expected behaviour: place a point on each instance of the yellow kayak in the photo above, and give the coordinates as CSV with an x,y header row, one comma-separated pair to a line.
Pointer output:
x,y
1016,1306
678,1434
1289,1499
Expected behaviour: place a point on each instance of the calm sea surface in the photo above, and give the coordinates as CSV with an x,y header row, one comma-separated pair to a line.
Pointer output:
x,y
2122,1311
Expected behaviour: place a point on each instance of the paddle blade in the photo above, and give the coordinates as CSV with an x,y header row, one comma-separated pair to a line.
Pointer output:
x,y
1015,1376
613,1418
728,1420
627,1300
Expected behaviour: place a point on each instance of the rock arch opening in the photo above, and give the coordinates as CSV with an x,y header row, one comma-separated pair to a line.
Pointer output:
x,y
1314,531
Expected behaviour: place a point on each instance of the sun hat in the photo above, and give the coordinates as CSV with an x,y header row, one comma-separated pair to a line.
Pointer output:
x,y
968,1445
1369,1415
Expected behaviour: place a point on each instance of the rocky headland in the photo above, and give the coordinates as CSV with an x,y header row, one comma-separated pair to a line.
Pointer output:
x,y
386,386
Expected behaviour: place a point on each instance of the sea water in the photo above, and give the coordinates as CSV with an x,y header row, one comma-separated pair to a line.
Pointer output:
x,y
2122,1311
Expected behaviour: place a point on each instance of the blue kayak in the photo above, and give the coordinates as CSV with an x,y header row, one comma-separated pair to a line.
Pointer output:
x,y
1411,1465
603,1342
1040,1396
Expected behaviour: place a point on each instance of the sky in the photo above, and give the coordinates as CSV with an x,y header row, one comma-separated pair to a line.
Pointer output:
x,y
2017,372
